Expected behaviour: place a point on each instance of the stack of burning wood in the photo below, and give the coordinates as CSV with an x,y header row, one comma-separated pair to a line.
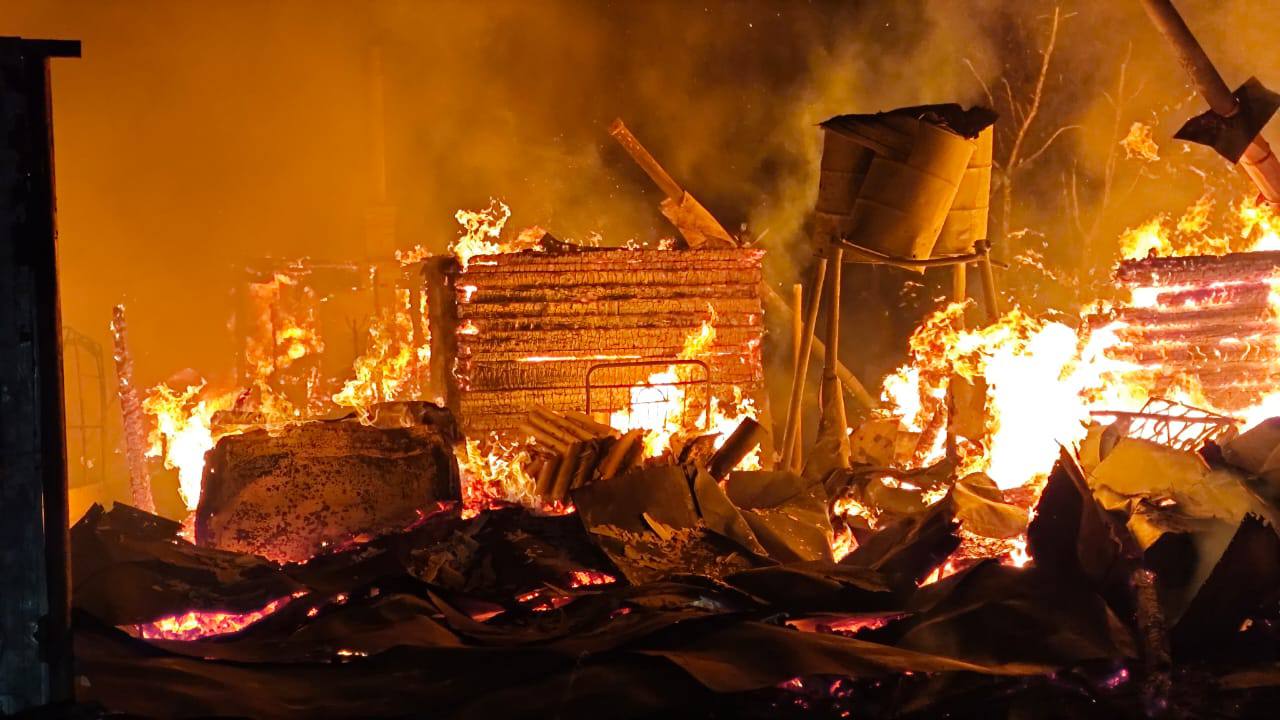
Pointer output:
x,y
570,450
533,326
1204,321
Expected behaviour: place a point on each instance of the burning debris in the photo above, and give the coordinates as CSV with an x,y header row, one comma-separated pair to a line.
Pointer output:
x,y
545,480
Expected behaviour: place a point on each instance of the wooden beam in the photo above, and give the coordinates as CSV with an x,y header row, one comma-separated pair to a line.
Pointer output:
x,y
35,651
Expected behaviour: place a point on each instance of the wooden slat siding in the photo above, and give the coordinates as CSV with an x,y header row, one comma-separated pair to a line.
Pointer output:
x,y
725,307
1199,269
596,293
516,403
641,303
611,257
1225,341
611,322
623,277
624,337
500,375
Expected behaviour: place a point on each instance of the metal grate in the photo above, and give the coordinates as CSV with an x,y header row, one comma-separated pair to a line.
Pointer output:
x,y
86,407
629,386
1173,424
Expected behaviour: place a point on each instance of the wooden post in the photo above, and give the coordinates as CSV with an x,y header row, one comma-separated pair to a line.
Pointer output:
x,y
797,339
438,278
959,291
989,283
797,380
832,397
131,415
35,604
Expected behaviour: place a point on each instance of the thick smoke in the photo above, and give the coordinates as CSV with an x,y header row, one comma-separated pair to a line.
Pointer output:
x,y
195,138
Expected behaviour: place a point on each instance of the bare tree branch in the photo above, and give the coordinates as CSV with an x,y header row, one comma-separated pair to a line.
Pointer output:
x,y
1013,106
1036,94
990,98
1032,157
1014,159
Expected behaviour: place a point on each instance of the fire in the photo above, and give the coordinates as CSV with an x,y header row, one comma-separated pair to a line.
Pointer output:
x,y
394,363
284,332
1252,226
183,432
1043,380
197,624
494,475
660,405
1032,401
1140,144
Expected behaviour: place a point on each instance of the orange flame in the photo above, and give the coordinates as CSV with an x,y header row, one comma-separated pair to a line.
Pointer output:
x,y
183,432
394,363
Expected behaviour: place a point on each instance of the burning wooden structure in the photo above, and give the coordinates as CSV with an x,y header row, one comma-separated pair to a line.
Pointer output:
x,y
1203,323
577,330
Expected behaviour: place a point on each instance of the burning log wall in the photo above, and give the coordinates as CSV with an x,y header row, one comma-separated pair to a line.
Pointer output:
x,y
1208,319
532,325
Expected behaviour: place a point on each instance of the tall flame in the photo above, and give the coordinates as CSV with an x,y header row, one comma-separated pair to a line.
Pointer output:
x,y
183,432
394,363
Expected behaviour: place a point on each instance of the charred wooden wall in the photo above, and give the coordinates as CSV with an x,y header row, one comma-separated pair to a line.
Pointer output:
x,y
1211,320
531,325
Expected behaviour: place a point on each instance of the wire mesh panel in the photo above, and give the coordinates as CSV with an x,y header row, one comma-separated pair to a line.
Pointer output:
x,y
1173,424
86,392
649,392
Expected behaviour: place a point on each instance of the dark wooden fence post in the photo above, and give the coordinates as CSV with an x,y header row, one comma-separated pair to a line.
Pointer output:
x,y
35,637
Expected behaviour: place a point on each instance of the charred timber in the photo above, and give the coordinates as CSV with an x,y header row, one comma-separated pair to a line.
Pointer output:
x,y
748,436
653,321
1199,269
1140,319
1215,296
684,307
1223,332
601,293
583,256
504,374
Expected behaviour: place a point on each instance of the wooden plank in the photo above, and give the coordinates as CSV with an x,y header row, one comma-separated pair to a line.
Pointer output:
x,y
625,276
613,256
1199,269
622,308
597,293
593,342
499,375
690,322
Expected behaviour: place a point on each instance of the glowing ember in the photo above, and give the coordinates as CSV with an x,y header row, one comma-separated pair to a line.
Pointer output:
x,y
585,578
198,624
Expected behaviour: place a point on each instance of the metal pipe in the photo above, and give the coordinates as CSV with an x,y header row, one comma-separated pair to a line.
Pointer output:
x,y
1258,160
